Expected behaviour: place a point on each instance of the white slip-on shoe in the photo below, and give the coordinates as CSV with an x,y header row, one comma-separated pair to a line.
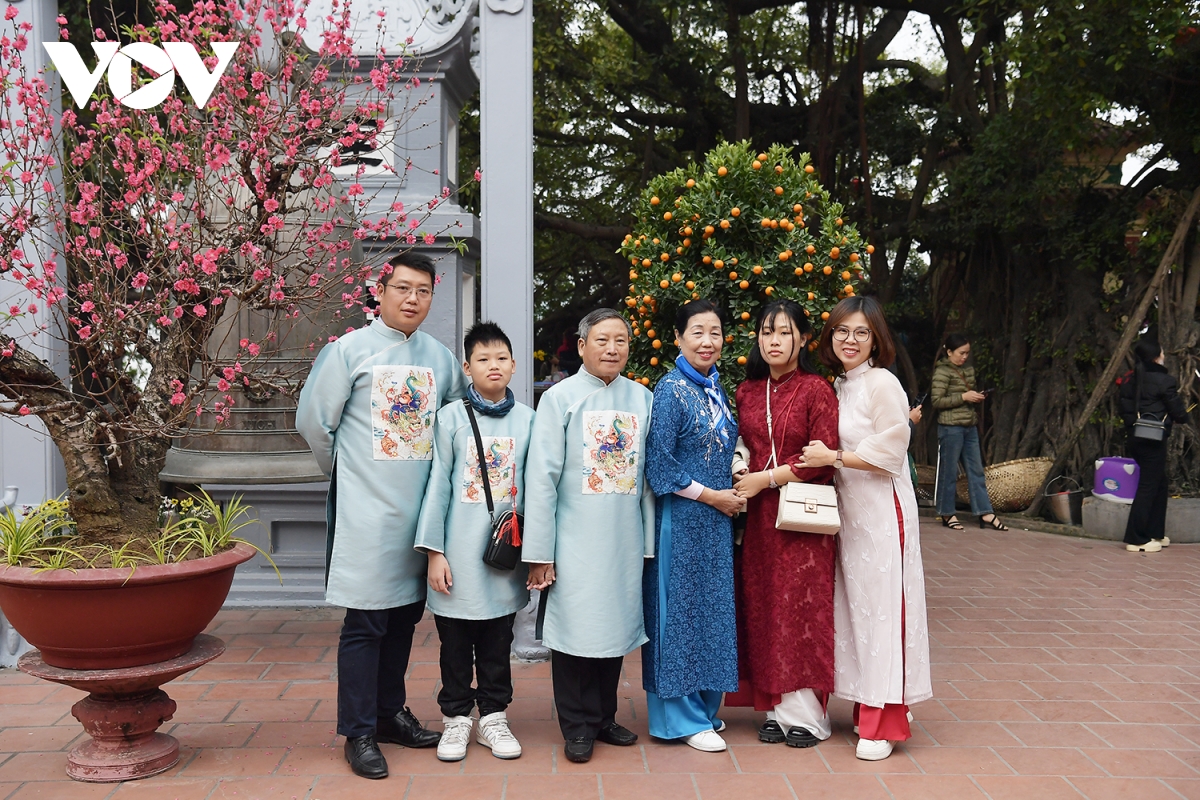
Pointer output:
x,y
495,735
708,741
873,749
455,738
720,726
1152,546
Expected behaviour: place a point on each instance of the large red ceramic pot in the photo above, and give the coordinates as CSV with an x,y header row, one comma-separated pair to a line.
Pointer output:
x,y
109,618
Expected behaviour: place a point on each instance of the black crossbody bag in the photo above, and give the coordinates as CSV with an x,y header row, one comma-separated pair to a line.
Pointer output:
x,y
504,547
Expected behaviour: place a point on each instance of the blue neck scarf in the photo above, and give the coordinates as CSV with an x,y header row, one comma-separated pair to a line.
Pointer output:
x,y
487,407
711,384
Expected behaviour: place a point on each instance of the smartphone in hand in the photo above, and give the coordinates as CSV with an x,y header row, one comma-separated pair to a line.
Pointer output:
x,y
920,401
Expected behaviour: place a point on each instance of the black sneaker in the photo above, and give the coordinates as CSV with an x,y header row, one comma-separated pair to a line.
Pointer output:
x,y
364,757
770,732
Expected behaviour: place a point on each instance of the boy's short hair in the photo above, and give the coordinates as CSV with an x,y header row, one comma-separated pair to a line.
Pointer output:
x,y
484,333
414,260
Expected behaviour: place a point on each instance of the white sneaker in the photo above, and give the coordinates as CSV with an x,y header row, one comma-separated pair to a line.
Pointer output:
x,y
455,738
1152,546
708,741
873,749
494,734
1165,541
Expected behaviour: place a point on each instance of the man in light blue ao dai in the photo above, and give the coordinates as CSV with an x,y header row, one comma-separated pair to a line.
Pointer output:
x,y
474,604
368,411
589,524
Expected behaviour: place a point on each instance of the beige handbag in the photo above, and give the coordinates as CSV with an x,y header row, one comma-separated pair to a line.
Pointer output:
x,y
808,508
803,507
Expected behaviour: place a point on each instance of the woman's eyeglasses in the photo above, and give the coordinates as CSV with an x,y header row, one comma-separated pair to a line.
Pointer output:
x,y
842,333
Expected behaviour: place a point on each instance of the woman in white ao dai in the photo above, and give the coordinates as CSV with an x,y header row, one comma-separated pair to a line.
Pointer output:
x,y
881,656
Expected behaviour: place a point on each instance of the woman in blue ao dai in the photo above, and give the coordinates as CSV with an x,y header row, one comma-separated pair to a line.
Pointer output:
x,y
688,596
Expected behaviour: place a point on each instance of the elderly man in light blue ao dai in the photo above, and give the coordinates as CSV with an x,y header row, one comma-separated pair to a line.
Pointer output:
x,y
367,411
474,604
589,524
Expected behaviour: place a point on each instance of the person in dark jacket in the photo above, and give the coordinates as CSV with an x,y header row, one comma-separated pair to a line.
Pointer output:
x,y
1150,392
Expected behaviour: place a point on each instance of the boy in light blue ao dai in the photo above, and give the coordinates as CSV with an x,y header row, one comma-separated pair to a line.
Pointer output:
x,y
474,604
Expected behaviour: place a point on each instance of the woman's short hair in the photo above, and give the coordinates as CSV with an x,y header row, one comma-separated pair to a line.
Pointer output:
x,y
695,308
954,341
883,349
756,366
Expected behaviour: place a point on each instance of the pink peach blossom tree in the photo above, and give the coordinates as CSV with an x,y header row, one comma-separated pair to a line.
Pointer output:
x,y
131,234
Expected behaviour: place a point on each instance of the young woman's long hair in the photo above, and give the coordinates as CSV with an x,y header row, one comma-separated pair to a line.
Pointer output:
x,y
756,367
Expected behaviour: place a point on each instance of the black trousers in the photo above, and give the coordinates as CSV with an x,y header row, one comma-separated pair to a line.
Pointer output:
x,y
585,693
1148,515
476,648
372,659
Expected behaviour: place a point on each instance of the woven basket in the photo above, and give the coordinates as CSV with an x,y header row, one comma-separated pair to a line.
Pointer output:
x,y
926,475
1012,485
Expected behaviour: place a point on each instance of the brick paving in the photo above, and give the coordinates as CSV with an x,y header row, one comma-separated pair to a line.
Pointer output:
x,y
1063,668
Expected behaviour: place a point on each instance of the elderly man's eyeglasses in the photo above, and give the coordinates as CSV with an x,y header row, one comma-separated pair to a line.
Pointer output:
x,y
423,293
842,333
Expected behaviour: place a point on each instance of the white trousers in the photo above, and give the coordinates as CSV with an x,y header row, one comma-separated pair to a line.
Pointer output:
x,y
802,709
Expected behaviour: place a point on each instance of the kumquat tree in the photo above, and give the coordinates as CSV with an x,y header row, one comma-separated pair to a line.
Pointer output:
x,y
741,229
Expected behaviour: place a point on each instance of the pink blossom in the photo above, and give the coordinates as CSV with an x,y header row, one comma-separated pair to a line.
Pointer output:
x,y
243,342
177,312
178,399
199,310
429,238
23,410
229,373
140,280
87,307
85,332
223,385
10,13
253,348
6,352
271,205
413,224
355,189
478,175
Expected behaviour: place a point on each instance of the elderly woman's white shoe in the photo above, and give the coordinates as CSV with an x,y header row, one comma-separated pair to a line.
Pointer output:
x,y
708,741
873,749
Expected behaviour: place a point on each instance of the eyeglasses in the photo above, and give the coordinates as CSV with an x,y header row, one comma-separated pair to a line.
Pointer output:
x,y
842,333
423,293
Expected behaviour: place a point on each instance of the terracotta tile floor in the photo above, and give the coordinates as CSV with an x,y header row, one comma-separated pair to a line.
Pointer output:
x,y
1063,668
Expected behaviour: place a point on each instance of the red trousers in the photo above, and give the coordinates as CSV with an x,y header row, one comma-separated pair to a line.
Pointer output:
x,y
891,721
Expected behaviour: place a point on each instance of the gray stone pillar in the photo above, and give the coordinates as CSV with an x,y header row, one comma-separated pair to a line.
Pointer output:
x,y
506,144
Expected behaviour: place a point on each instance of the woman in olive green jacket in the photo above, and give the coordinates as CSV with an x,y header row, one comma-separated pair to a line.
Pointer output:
x,y
954,396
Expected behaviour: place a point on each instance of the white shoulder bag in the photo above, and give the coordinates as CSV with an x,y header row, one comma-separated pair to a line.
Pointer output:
x,y
803,507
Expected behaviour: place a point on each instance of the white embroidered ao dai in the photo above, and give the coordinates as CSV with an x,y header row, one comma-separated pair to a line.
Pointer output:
x,y
875,582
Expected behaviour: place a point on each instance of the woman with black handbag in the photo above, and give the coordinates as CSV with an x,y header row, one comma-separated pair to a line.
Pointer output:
x,y
1149,401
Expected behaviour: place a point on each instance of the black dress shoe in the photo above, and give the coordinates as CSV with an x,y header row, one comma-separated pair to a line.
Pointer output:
x,y
579,750
801,737
364,757
770,732
612,733
405,729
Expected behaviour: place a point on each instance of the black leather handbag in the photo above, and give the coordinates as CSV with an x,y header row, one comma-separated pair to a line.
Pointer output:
x,y
504,547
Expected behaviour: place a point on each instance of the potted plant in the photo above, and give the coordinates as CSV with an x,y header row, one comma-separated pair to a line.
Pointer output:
x,y
134,236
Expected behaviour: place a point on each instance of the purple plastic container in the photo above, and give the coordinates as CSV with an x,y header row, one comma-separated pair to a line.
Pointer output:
x,y
1116,479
